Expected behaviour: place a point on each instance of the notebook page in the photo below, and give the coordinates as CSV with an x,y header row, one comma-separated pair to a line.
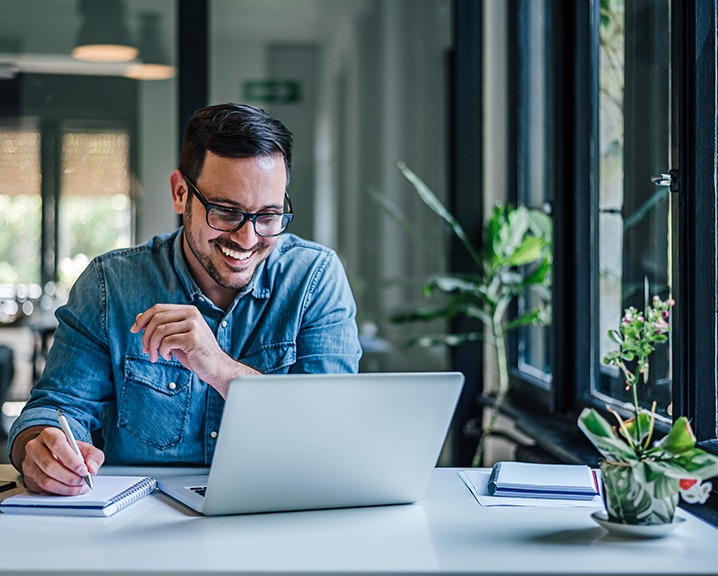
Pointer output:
x,y
105,490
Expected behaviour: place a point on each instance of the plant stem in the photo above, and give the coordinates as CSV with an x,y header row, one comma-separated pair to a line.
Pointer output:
x,y
503,368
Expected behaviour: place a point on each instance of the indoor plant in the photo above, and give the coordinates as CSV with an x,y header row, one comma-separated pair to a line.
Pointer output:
x,y
515,256
643,475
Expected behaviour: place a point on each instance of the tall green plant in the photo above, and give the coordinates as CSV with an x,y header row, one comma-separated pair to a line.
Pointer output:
x,y
515,256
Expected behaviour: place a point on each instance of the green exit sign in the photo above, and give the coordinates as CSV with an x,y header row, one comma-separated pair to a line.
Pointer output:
x,y
272,91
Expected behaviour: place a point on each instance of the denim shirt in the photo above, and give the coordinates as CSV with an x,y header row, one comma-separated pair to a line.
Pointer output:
x,y
297,315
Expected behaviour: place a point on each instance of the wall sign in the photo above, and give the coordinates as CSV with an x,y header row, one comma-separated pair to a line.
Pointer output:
x,y
272,91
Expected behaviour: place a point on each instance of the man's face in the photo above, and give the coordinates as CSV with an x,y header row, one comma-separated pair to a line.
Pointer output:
x,y
223,263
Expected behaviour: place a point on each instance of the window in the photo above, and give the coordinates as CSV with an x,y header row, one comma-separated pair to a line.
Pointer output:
x,y
634,236
66,155
95,205
631,176
20,205
533,159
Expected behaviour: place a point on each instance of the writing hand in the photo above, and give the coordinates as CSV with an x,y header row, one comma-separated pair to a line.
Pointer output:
x,y
179,330
50,465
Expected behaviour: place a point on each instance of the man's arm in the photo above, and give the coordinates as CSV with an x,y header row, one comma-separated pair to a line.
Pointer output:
x,y
328,340
37,446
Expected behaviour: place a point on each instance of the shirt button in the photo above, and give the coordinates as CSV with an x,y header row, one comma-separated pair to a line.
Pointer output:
x,y
213,434
171,385
224,323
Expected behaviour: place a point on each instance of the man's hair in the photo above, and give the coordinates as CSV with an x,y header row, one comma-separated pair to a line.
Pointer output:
x,y
233,131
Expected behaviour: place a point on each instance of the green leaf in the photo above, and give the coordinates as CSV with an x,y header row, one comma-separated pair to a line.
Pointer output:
x,y
540,275
528,251
679,439
696,463
430,199
534,316
645,425
603,436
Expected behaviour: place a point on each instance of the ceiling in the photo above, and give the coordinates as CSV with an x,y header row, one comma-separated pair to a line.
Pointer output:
x,y
38,35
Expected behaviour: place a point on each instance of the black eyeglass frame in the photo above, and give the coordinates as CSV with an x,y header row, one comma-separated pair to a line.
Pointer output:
x,y
287,216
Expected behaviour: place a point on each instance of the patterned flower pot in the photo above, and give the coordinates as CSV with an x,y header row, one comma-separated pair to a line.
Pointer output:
x,y
635,496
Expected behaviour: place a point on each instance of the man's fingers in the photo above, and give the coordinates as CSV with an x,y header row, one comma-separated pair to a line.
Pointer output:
x,y
61,451
38,480
43,469
94,457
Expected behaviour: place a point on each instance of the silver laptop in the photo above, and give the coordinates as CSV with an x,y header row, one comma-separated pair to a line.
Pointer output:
x,y
305,442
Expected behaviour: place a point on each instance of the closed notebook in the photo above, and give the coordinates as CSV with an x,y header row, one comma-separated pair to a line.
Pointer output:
x,y
530,480
110,494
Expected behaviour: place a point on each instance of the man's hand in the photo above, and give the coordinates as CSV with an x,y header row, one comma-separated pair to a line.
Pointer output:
x,y
180,330
49,464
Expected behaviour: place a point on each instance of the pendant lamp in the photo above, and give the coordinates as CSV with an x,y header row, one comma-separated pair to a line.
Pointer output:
x,y
154,64
103,36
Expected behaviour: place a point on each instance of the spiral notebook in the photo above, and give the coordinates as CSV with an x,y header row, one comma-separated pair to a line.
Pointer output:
x,y
110,494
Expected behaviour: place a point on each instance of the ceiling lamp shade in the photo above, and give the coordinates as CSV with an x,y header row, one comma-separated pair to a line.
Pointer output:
x,y
104,36
154,63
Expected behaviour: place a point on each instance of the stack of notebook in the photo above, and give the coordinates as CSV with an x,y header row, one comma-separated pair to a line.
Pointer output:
x,y
553,481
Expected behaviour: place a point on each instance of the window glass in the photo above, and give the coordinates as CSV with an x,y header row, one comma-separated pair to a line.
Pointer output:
x,y
534,159
95,214
20,206
634,213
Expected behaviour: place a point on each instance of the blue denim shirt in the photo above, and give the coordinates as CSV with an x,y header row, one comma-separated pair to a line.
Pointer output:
x,y
297,315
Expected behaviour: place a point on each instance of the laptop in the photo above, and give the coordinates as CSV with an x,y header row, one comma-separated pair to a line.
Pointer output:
x,y
308,441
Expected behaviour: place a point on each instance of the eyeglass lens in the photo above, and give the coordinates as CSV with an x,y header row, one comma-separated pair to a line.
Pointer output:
x,y
264,224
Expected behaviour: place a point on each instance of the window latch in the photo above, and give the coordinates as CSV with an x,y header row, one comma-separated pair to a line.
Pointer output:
x,y
670,179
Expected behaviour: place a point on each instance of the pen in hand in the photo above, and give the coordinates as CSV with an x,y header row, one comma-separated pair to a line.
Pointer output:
x,y
71,439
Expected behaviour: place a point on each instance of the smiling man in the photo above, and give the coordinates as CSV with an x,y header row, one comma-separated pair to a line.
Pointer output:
x,y
152,336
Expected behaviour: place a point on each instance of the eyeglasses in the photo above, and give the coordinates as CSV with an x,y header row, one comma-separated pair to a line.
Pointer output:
x,y
226,219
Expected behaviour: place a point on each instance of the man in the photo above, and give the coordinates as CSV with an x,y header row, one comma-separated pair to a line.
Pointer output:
x,y
152,335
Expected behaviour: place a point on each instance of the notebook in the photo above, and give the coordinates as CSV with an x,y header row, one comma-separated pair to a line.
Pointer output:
x,y
532,480
302,442
110,494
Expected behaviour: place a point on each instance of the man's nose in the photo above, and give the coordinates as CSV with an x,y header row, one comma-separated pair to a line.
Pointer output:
x,y
245,235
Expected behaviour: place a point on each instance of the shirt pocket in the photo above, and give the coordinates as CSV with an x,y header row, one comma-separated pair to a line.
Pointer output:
x,y
271,358
154,402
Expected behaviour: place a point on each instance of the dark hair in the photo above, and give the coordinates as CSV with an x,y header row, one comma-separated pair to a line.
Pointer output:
x,y
233,131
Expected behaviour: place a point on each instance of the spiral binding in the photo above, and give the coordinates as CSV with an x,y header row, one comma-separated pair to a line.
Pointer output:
x,y
134,493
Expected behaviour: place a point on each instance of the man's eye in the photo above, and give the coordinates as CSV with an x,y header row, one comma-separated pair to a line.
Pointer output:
x,y
269,218
226,215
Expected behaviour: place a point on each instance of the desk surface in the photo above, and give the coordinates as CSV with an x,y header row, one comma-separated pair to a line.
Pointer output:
x,y
446,533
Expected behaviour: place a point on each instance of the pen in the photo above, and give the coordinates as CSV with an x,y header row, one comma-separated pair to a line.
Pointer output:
x,y
71,439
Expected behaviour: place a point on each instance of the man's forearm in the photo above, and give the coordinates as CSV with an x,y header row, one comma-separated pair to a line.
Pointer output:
x,y
17,453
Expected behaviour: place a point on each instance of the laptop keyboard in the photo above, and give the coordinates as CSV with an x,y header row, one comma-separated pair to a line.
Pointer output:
x,y
201,490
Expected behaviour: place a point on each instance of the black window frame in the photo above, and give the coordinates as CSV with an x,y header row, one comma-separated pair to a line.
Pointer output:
x,y
575,38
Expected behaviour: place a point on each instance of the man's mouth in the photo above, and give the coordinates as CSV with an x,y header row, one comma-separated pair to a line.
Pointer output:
x,y
240,255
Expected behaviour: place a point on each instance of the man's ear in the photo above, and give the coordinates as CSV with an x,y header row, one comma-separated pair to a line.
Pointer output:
x,y
180,193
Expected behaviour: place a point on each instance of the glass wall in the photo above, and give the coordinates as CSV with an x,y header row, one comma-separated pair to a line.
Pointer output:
x,y
363,85
87,141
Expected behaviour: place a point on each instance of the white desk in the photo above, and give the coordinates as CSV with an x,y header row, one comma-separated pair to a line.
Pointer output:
x,y
446,533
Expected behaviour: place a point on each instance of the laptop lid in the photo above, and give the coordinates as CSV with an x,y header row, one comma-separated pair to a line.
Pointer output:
x,y
300,442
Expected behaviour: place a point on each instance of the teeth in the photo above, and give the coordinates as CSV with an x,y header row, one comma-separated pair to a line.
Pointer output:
x,y
234,254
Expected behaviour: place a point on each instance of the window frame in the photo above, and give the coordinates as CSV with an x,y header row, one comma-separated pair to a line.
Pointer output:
x,y
575,199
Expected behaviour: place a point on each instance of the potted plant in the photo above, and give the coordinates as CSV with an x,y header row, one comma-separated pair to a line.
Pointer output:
x,y
643,475
515,256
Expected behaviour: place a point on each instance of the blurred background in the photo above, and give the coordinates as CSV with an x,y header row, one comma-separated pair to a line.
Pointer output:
x,y
87,144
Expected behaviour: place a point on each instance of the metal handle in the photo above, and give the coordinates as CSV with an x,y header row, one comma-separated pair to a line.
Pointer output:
x,y
662,180
670,179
